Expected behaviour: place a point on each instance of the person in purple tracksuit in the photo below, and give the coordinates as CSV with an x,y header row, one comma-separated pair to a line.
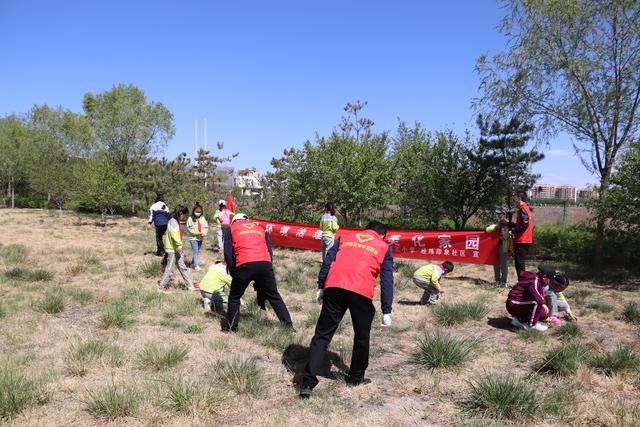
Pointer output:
x,y
526,301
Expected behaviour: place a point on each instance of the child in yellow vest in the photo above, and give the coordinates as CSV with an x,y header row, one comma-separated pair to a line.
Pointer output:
x,y
214,287
197,227
428,278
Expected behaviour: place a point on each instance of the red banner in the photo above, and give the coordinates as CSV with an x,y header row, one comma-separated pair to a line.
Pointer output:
x,y
467,247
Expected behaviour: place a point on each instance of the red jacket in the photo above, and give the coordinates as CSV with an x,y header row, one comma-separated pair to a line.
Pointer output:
x,y
524,224
357,263
249,243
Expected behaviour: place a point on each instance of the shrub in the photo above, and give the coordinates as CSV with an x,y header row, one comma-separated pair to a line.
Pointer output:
x,y
41,275
619,360
14,254
17,392
158,358
193,329
447,314
112,402
559,403
240,376
18,273
151,269
631,312
52,302
565,359
502,397
601,307
439,350
568,330
80,296
531,335
116,315
188,397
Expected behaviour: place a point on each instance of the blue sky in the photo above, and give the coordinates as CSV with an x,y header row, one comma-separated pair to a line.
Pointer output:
x,y
265,75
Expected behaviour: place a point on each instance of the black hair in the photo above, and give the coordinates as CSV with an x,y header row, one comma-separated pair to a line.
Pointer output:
x,y
523,195
178,212
330,207
561,279
448,266
193,212
378,227
159,198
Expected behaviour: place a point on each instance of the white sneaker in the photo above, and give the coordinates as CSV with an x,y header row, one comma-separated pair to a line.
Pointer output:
x,y
540,327
206,304
197,268
517,324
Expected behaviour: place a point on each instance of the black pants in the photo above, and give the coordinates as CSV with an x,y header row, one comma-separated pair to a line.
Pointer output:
x,y
160,230
520,256
261,272
335,303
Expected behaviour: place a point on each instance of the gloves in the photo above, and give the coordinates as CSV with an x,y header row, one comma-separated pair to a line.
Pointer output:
x,y
319,295
386,320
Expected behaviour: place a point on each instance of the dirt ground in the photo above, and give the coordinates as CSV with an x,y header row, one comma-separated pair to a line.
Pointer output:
x,y
401,392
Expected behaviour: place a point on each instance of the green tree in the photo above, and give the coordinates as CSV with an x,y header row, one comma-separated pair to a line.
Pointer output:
x,y
15,146
572,66
503,154
60,138
98,185
624,197
126,125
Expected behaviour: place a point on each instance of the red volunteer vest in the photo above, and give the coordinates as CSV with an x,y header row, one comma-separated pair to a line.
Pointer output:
x,y
249,243
527,235
357,264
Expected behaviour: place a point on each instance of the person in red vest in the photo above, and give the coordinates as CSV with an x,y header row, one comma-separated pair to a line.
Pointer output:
x,y
523,232
248,254
347,281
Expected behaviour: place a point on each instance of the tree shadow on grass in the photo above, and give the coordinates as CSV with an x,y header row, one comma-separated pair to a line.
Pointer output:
x,y
295,356
502,322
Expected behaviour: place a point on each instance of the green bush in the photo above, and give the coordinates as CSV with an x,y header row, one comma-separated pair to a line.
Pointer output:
x,y
116,315
531,335
151,269
17,392
503,398
194,329
565,359
111,402
631,312
18,273
157,358
240,376
619,360
448,314
601,307
439,350
14,254
52,302
41,275
568,330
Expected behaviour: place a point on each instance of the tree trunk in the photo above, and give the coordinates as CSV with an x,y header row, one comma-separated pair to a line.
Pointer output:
x,y
601,219
12,185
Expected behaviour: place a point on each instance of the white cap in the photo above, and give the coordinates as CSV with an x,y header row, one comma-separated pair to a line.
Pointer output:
x,y
238,217
222,202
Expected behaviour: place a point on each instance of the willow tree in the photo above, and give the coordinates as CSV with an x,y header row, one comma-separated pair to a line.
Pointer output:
x,y
572,66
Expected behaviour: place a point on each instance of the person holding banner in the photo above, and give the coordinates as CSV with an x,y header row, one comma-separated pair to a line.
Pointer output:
x,y
523,231
249,257
347,281
329,227
500,268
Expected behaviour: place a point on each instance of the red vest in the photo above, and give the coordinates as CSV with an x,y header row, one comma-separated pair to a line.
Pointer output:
x,y
249,243
527,235
357,264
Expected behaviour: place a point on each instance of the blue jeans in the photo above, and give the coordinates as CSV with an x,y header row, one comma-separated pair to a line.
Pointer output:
x,y
195,245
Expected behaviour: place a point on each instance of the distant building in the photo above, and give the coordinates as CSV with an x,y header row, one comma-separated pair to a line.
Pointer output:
x,y
248,181
566,192
587,193
543,191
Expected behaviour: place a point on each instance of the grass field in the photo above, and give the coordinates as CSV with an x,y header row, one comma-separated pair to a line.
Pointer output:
x,y
85,339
